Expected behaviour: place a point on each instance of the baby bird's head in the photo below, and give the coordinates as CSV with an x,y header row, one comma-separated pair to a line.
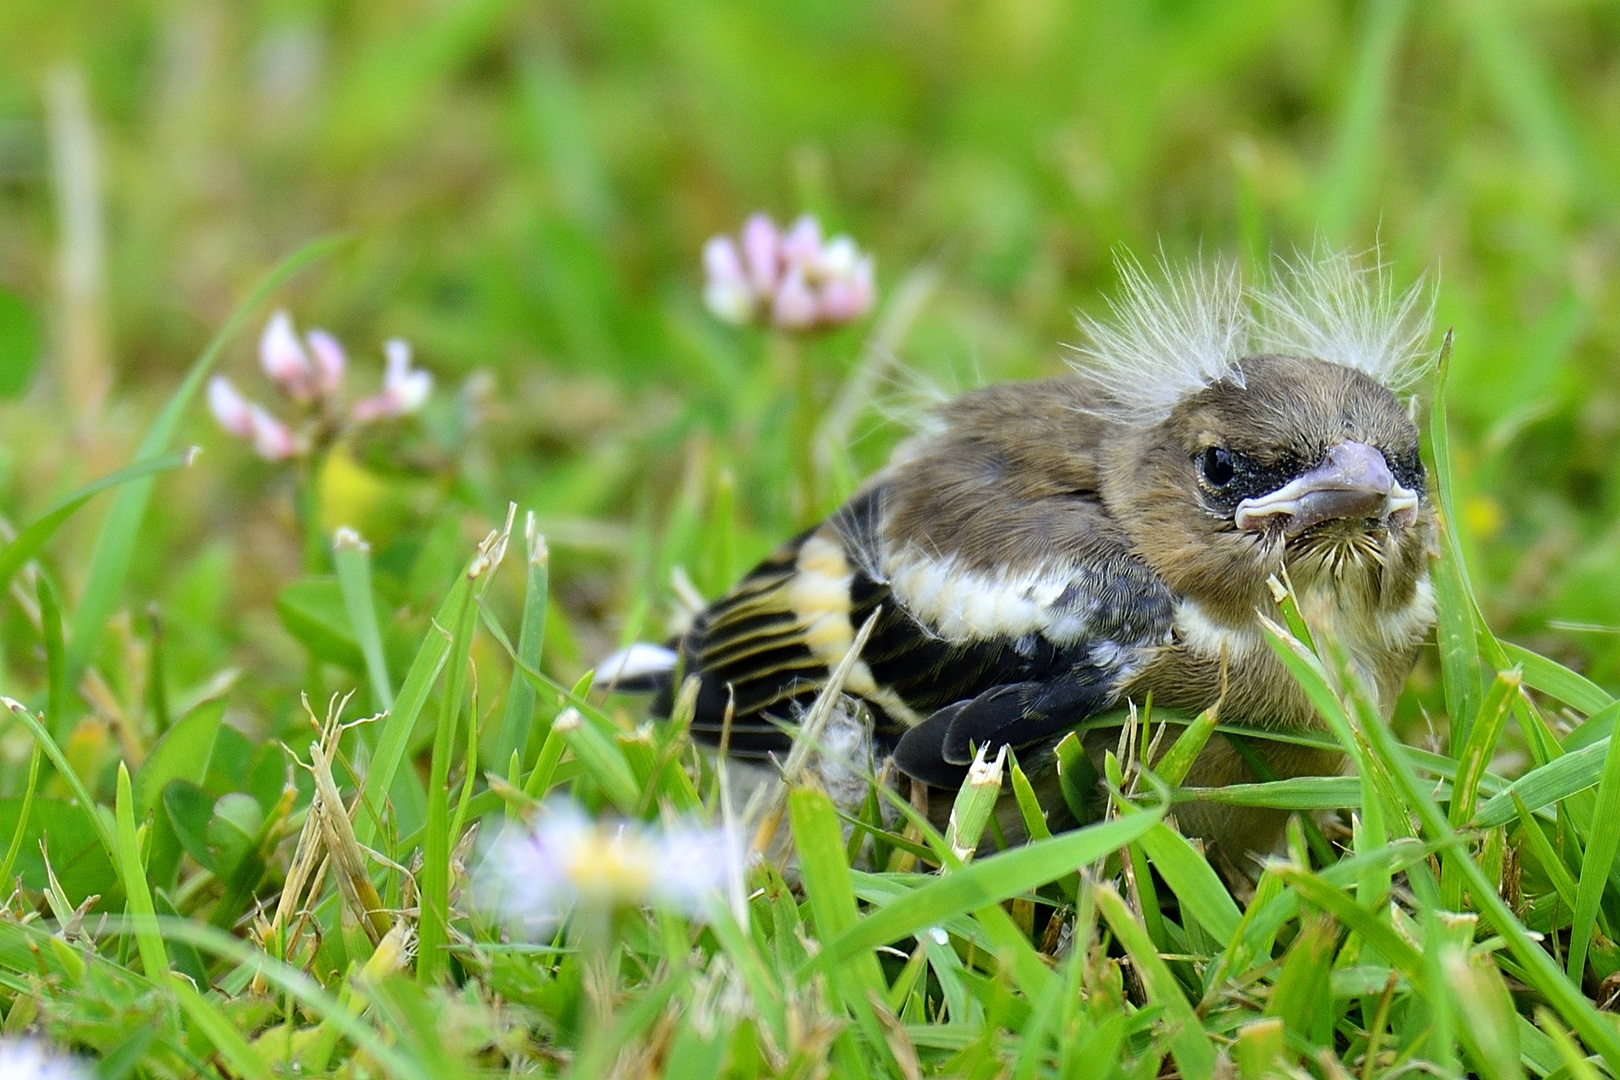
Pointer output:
x,y
1227,467
1304,465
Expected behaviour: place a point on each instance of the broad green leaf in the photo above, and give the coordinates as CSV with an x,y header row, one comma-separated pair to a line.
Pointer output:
x,y
314,612
183,753
75,848
190,809
86,805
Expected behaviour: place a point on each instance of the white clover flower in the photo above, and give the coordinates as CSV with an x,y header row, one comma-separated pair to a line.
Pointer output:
x,y
726,288
311,373
762,251
271,439
795,281
404,391
330,361
533,875
30,1059
230,408
283,357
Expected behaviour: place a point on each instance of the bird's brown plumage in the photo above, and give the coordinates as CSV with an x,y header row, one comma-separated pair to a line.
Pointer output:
x,y
1040,562
1046,551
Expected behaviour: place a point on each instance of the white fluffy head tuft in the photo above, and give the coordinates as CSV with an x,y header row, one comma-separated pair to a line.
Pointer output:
x,y
1346,310
1165,339
1171,335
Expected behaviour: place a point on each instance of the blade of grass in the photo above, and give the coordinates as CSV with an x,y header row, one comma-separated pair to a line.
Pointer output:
x,y
57,703
1603,840
1537,964
1195,883
1174,765
298,986
520,695
1556,680
64,768
831,894
1302,995
602,759
142,914
1456,628
1599,725
33,538
989,881
22,816
433,927
1557,780
1345,188
1551,862
1481,745
115,548
237,1052
1527,94
401,720
351,558
1189,1045
1295,793
1487,730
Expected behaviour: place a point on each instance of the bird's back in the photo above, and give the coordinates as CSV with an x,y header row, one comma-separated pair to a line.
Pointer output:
x,y
988,561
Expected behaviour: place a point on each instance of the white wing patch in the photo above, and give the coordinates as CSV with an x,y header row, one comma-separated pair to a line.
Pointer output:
x,y
965,606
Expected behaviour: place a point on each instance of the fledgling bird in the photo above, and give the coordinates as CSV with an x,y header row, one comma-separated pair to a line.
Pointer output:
x,y
1045,551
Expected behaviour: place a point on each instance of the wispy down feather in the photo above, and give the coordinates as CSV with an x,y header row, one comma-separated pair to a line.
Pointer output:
x,y
1170,335
1348,311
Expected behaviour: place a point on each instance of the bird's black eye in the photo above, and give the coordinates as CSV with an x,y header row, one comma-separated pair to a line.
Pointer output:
x,y
1216,464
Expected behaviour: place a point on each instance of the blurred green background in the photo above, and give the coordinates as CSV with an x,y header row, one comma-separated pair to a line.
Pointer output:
x,y
529,185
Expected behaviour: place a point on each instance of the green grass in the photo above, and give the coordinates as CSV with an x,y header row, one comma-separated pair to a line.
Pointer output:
x,y
522,192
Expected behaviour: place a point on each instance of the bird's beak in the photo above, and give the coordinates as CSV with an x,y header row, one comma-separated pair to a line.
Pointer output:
x,y
1353,481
